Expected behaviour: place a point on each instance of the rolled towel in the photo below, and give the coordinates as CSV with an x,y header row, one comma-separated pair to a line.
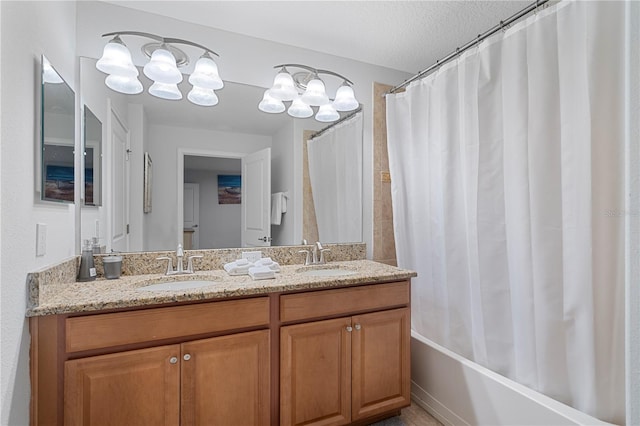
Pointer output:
x,y
266,261
261,273
238,267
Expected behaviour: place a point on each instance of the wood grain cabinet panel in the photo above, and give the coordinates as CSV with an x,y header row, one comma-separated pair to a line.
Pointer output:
x,y
381,361
122,328
335,372
315,373
343,301
226,380
129,388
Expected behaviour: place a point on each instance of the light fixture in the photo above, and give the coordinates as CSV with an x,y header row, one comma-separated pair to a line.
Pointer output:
x,y
163,68
305,90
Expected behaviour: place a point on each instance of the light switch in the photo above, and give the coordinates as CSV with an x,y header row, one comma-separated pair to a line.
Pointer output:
x,y
41,239
252,256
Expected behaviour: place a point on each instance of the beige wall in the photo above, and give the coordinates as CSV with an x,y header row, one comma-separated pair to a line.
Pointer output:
x,y
384,247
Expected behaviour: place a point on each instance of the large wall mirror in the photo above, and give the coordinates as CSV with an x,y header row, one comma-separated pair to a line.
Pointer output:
x,y
189,147
58,135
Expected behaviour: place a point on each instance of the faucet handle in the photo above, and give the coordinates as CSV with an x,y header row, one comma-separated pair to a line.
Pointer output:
x,y
190,264
322,259
307,260
169,264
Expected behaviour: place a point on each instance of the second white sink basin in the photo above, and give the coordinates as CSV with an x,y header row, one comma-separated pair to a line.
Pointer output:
x,y
326,272
176,285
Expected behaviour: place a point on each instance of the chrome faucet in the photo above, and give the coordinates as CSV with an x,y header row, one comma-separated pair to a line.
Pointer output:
x,y
180,263
315,255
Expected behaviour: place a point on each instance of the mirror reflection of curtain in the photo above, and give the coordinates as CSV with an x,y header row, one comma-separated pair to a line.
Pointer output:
x,y
335,171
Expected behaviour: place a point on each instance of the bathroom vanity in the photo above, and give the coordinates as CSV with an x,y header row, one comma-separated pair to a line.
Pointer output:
x,y
304,348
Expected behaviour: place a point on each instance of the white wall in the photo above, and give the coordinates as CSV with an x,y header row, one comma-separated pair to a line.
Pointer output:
x,y
164,142
220,224
282,180
27,30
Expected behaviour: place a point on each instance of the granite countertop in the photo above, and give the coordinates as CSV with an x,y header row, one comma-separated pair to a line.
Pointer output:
x,y
75,297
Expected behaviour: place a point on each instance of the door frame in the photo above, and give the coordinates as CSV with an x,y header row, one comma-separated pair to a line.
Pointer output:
x,y
180,178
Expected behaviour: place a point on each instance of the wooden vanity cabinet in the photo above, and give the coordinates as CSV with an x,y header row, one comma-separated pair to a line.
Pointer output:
x,y
322,357
343,370
140,367
218,381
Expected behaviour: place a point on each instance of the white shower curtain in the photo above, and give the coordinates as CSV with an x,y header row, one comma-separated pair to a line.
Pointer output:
x,y
507,186
335,171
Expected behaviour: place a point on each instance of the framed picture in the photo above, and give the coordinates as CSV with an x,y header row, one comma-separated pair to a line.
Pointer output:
x,y
229,189
147,182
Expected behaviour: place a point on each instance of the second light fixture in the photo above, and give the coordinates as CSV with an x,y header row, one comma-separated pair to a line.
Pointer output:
x,y
306,90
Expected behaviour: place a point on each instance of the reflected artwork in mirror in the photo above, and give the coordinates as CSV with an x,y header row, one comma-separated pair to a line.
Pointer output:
x,y
92,159
57,139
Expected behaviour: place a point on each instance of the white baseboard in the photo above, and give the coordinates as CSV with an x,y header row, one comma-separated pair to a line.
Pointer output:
x,y
434,407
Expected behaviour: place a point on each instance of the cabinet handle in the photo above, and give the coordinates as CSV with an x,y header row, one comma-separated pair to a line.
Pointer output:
x,y
349,328
173,359
186,357
358,326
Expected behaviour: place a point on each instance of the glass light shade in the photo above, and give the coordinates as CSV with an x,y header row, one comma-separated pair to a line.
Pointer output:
x,y
299,109
345,99
283,87
270,105
327,113
202,96
49,75
205,74
116,59
162,67
315,94
165,91
129,85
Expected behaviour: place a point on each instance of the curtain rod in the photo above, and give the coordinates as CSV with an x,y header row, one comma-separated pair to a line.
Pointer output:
x,y
335,123
501,26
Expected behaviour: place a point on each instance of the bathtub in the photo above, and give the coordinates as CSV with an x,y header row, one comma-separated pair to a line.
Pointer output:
x,y
457,391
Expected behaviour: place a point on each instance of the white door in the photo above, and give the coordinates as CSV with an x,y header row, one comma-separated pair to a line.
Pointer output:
x,y
119,184
191,212
256,199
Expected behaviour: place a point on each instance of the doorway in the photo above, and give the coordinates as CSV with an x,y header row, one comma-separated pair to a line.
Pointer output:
x,y
215,224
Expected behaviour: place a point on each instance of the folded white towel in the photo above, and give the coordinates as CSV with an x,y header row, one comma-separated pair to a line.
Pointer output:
x,y
278,207
238,267
266,261
261,273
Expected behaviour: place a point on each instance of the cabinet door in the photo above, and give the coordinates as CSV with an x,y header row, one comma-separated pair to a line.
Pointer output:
x,y
226,380
380,362
129,388
315,373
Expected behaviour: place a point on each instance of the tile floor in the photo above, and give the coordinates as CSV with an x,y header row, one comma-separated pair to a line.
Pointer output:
x,y
417,416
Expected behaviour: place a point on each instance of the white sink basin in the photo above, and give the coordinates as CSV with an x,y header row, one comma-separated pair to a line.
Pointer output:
x,y
327,272
176,285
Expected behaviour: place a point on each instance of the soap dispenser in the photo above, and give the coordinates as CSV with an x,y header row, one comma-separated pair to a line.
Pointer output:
x,y
87,270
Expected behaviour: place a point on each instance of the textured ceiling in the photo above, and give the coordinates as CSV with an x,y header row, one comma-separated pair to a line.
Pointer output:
x,y
402,35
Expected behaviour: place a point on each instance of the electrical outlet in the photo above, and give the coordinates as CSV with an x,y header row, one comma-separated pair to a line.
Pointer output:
x,y
41,239
97,223
252,256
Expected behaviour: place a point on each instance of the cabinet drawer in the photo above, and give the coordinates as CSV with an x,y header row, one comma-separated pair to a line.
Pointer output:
x,y
315,304
122,328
